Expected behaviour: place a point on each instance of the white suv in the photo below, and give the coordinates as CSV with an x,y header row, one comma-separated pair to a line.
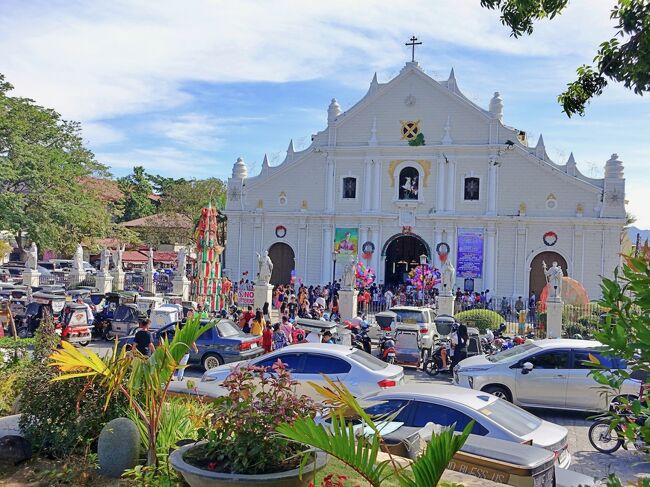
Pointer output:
x,y
544,373
420,318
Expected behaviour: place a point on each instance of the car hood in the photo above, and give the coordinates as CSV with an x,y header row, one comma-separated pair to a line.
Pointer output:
x,y
222,371
549,435
475,361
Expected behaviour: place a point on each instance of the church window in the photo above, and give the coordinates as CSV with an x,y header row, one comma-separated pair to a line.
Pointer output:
x,y
472,187
349,188
410,129
409,183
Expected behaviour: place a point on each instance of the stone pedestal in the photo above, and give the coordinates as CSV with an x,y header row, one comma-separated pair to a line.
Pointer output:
x,y
554,318
31,277
76,277
348,303
182,287
104,282
149,285
446,305
118,280
263,294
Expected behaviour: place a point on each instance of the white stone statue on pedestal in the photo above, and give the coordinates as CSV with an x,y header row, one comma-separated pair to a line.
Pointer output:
x,y
554,277
32,257
104,260
349,275
150,268
264,268
181,262
448,278
118,257
78,260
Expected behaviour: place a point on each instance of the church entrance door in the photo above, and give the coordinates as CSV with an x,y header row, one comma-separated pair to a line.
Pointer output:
x,y
537,280
402,254
284,261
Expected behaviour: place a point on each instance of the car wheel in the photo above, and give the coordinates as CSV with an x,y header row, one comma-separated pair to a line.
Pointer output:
x,y
431,367
499,391
211,360
84,344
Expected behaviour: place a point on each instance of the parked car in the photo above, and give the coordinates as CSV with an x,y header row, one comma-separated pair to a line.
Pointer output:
x,y
222,344
422,320
361,372
546,374
418,404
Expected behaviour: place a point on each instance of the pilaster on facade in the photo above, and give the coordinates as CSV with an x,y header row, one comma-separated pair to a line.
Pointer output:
x,y
450,205
493,177
330,184
440,182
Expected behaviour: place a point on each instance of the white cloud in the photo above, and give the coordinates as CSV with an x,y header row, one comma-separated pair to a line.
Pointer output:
x,y
96,133
95,59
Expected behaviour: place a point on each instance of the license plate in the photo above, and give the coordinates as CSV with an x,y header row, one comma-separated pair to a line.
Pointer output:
x,y
253,345
391,354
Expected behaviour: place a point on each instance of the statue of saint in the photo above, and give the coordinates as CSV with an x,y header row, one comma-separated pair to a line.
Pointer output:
x,y
150,267
118,257
554,277
181,262
349,275
448,278
78,260
264,268
104,260
32,257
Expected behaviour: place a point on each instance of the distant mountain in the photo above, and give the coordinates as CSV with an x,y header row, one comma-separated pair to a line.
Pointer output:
x,y
644,234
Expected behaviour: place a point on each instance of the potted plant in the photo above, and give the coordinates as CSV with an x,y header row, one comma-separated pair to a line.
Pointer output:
x,y
239,444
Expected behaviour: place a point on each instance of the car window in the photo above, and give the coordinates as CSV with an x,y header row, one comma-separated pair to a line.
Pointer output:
x,y
511,417
293,361
581,360
381,410
556,359
408,316
206,336
513,352
369,361
323,364
426,412
227,329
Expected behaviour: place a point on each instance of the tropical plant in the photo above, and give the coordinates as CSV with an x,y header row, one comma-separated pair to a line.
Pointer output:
x,y
143,381
360,452
240,429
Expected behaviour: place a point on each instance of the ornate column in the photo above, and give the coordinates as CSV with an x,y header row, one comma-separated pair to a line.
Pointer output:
x,y
440,185
492,186
450,205
489,263
326,271
329,187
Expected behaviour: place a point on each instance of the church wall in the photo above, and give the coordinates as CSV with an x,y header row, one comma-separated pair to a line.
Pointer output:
x,y
471,167
350,168
506,238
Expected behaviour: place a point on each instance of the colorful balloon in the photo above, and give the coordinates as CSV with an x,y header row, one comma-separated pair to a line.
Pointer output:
x,y
425,276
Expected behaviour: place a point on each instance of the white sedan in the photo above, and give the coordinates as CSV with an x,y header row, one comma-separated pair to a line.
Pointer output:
x,y
361,372
419,404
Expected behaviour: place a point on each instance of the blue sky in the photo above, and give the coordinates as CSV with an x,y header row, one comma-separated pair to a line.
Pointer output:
x,y
184,88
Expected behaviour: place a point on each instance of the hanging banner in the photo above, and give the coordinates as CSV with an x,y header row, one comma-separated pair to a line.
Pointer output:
x,y
346,241
245,297
469,260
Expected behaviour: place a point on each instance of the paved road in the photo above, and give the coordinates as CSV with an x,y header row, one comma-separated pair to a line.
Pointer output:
x,y
626,464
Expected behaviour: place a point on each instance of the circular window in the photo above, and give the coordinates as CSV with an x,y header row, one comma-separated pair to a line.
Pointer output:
x,y
551,204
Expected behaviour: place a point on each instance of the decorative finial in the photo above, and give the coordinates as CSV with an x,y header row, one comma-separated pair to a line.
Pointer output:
x,y
265,164
239,169
496,106
540,150
374,84
446,138
413,43
614,167
571,165
451,81
333,111
290,151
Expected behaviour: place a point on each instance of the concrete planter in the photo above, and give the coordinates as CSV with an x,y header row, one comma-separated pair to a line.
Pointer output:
x,y
197,477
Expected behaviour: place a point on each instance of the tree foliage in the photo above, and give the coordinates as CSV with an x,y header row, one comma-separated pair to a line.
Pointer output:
x,y
625,58
43,163
137,190
188,197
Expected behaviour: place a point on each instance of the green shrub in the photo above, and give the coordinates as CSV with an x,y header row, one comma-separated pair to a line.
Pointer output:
x,y
480,318
11,373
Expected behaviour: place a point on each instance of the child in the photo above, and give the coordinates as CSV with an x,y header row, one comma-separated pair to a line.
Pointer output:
x,y
267,338
279,338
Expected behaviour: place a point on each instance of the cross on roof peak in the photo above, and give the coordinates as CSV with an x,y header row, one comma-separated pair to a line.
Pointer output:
x,y
413,43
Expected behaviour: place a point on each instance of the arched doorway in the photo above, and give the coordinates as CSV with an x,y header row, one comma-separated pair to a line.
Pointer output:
x,y
284,261
537,279
402,254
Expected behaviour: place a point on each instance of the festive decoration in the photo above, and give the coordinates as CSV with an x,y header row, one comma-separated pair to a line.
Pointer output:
x,y
368,248
280,231
573,292
206,274
365,275
418,140
426,275
442,249
550,238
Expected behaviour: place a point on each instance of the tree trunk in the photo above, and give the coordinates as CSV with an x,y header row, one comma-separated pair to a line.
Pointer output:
x,y
19,242
152,457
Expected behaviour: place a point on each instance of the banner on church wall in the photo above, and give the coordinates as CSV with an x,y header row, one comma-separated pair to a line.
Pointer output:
x,y
346,241
469,258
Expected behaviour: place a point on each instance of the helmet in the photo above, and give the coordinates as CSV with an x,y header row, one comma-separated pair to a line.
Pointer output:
x,y
519,340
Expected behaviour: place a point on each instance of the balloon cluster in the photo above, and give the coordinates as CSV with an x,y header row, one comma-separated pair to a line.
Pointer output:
x,y
427,275
365,275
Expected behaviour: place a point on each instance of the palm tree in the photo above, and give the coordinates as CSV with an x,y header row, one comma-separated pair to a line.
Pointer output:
x,y
144,381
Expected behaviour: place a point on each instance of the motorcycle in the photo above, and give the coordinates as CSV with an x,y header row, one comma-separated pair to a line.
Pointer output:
x,y
387,349
607,438
434,364
361,340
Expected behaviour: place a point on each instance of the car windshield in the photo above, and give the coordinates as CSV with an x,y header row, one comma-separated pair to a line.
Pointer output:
x,y
408,316
513,352
369,361
511,417
227,329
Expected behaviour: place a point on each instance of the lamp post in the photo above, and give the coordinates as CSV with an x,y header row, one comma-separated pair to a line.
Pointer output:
x,y
334,255
423,263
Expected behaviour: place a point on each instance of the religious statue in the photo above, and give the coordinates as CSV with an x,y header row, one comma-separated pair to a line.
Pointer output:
x,y
78,260
349,275
448,278
32,257
181,262
118,257
150,267
554,277
104,260
264,268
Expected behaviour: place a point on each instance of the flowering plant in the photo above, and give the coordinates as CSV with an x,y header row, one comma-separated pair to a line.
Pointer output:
x,y
240,430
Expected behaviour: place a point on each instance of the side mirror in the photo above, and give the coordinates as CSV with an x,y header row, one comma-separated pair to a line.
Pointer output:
x,y
526,367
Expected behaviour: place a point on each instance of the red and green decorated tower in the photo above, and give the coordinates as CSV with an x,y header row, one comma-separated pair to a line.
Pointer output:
x,y
206,275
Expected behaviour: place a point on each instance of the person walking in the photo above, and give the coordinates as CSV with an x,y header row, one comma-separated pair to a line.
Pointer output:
x,y
267,338
258,324
142,338
460,351
279,338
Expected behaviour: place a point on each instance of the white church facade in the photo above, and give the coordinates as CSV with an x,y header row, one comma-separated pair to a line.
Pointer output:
x,y
415,165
